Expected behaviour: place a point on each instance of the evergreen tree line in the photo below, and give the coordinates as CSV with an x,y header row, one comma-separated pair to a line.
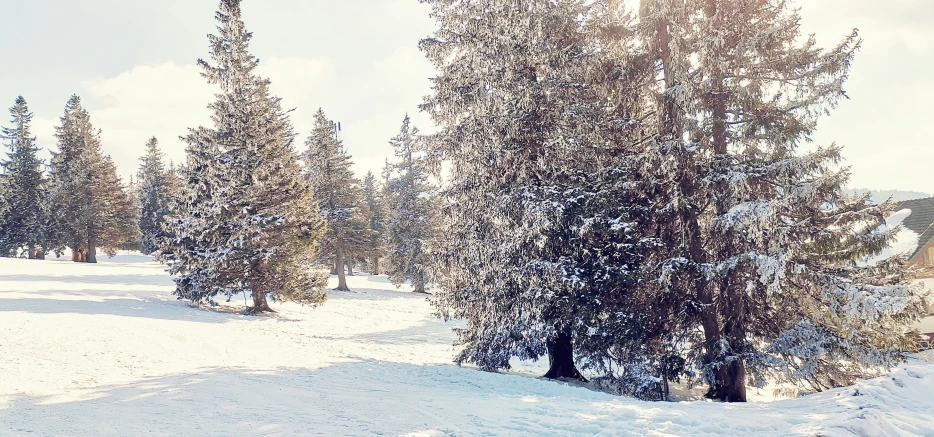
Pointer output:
x,y
243,210
253,215
629,197
75,201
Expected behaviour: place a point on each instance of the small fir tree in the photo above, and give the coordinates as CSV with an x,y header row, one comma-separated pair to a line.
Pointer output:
x,y
153,195
337,194
374,196
411,219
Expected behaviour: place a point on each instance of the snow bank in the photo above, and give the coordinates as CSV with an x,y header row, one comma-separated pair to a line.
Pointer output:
x,y
106,350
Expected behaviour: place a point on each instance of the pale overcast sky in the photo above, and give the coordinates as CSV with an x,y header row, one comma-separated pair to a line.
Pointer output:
x,y
132,61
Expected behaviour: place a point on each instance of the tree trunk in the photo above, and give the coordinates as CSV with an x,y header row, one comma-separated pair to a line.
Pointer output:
x,y
350,268
420,286
92,251
260,305
32,252
334,268
561,358
341,279
730,385
376,265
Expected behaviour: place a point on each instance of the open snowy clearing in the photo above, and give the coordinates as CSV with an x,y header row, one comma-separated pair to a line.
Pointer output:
x,y
106,350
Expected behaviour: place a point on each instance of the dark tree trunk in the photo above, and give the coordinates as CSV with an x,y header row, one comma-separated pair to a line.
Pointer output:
x,y
730,385
420,286
376,265
334,268
92,251
341,279
260,305
32,251
350,268
561,358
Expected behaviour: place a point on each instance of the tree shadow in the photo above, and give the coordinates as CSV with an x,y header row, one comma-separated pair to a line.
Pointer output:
x,y
375,294
160,279
363,398
143,308
346,398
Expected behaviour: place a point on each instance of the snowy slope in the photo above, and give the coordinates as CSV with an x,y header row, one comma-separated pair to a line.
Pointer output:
x,y
106,350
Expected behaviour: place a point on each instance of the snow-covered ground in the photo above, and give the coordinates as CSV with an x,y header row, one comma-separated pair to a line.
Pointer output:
x,y
106,350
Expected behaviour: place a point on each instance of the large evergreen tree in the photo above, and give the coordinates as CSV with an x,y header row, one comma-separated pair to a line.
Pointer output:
x,y
244,223
758,267
4,211
91,206
25,221
411,212
152,179
536,241
338,195
374,195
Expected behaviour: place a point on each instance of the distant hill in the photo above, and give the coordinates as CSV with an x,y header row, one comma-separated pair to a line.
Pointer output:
x,y
896,195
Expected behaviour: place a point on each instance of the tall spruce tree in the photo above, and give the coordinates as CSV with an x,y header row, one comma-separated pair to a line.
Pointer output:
x,y
152,179
411,212
5,252
244,224
760,242
92,209
25,222
535,124
338,196
375,199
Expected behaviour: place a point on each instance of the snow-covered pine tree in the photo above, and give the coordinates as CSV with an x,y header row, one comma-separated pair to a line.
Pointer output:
x,y
244,222
24,221
5,252
116,224
760,239
134,243
375,200
175,202
411,212
153,196
537,254
338,196
92,209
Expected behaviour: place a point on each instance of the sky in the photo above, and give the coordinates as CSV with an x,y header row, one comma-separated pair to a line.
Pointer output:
x,y
133,64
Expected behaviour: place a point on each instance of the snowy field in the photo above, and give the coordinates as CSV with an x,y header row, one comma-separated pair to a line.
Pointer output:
x,y
106,350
